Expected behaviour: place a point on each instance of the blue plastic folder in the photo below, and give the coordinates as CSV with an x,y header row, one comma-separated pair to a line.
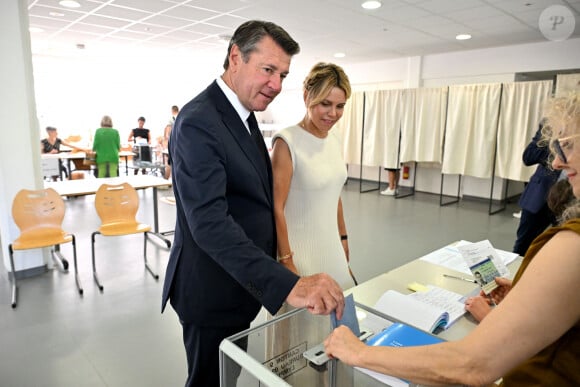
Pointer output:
x,y
401,335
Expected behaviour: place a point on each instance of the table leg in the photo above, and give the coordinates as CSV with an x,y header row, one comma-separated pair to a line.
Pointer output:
x,y
156,232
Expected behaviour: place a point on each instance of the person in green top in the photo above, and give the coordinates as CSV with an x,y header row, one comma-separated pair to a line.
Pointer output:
x,y
107,145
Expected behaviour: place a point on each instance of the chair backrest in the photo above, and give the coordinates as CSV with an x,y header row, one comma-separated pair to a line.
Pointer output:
x,y
38,212
117,203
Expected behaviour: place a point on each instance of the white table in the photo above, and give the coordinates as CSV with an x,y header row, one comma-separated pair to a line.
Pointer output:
x,y
90,186
68,156
425,273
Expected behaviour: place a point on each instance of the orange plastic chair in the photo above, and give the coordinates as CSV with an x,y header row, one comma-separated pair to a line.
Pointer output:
x,y
38,215
117,207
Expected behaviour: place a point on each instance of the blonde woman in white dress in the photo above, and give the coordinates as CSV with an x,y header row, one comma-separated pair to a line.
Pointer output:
x,y
309,173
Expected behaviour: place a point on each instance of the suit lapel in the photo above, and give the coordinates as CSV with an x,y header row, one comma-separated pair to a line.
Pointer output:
x,y
239,132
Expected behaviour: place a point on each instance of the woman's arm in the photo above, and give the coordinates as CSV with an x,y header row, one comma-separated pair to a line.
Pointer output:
x,y
537,311
282,171
342,232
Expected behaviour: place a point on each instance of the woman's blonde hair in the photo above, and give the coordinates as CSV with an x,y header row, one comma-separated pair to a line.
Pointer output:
x,y
562,119
322,78
106,122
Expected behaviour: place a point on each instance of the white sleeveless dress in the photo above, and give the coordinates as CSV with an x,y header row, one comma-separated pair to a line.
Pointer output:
x,y
319,173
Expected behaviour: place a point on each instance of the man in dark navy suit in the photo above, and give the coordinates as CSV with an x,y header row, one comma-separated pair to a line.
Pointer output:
x,y
222,265
536,215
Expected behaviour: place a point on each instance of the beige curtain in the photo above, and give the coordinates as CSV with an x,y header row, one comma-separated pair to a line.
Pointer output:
x,y
521,112
423,124
471,129
566,83
381,128
349,128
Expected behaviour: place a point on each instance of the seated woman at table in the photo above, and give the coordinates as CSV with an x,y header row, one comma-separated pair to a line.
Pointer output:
x,y
52,143
532,338
559,198
107,144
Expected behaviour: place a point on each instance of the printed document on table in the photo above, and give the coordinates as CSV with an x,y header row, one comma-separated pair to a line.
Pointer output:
x,y
450,257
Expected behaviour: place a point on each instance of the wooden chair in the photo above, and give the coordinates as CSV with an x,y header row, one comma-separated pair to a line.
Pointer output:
x,y
117,206
38,215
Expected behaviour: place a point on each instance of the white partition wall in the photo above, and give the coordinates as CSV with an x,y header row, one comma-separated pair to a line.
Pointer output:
x,y
20,149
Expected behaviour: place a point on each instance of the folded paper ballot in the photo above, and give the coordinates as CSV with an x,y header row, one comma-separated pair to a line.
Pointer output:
x,y
429,310
348,316
316,354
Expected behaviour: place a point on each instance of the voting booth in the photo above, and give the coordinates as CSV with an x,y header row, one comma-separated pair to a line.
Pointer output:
x,y
273,353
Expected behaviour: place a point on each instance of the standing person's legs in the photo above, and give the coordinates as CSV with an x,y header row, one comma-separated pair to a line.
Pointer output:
x,y
113,169
202,350
393,177
101,170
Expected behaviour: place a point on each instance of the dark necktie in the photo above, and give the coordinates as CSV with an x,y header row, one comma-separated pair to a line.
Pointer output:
x,y
256,135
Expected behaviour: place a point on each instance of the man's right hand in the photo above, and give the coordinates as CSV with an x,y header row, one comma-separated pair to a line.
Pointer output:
x,y
319,293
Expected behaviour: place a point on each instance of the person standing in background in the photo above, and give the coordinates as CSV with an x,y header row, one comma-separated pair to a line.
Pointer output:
x,y
393,176
141,136
107,145
222,264
166,136
536,215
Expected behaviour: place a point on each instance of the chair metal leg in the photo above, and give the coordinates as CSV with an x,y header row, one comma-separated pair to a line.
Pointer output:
x,y
58,259
77,278
14,286
145,238
93,256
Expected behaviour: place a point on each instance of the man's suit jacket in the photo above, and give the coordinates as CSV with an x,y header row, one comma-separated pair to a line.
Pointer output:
x,y
534,196
221,266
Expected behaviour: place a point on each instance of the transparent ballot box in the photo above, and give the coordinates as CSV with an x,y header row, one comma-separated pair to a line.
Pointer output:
x,y
272,354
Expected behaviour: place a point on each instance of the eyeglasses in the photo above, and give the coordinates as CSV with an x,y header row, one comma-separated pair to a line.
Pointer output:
x,y
564,145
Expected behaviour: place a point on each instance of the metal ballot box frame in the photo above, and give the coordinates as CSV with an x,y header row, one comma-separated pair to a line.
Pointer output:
x,y
271,354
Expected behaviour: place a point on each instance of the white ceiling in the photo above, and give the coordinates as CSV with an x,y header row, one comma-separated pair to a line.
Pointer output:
x,y
400,28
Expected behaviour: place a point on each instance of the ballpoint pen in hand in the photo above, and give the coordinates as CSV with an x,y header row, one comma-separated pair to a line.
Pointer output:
x,y
460,278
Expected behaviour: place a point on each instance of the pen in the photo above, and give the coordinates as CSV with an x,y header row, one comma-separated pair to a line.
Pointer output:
x,y
460,278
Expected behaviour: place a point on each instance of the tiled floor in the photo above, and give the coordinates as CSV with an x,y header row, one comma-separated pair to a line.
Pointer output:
x,y
119,338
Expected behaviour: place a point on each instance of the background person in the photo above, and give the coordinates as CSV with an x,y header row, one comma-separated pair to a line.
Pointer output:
x,y
393,177
535,214
140,135
107,145
222,264
541,312
166,136
51,144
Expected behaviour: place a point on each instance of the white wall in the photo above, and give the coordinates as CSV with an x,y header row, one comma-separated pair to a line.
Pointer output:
x,y
19,167
128,85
